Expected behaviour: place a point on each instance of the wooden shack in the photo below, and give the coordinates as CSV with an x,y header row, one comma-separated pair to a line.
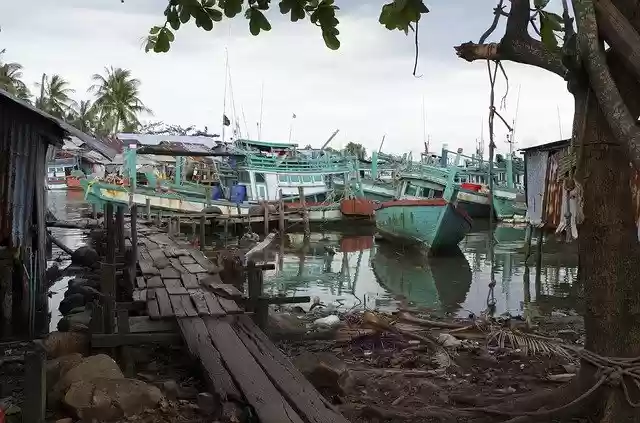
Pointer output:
x,y
28,137
545,167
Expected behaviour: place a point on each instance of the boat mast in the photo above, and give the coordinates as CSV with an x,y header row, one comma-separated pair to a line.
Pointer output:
x,y
425,139
224,95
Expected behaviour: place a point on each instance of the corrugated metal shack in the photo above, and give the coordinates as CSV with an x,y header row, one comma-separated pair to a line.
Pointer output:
x,y
545,166
28,137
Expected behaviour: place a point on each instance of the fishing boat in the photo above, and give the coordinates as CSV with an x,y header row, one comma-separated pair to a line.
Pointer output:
x,y
373,180
424,215
438,283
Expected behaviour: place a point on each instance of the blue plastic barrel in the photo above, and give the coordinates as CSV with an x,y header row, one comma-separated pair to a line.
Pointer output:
x,y
238,193
216,192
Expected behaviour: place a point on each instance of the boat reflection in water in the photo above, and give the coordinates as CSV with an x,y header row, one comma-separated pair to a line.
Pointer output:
x,y
437,283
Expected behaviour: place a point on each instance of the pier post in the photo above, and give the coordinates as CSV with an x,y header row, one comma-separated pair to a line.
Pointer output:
x,y
170,227
203,221
148,208
120,228
255,282
305,212
35,388
108,280
94,211
6,289
265,207
178,226
281,214
134,244
193,230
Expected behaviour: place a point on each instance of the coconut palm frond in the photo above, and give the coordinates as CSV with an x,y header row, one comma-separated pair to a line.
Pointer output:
x,y
529,344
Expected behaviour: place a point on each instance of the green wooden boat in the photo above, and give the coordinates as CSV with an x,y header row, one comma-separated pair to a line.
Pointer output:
x,y
430,217
439,283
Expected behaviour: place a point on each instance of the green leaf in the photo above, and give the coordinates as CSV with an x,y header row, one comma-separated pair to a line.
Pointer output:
x,y
295,7
162,43
173,19
257,21
151,43
232,8
400,14
546,32
331,40
540,4
555,20
214,14
185,14
155,30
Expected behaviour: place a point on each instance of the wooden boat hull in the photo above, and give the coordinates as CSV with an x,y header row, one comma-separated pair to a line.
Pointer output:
x,y
73,183
435,223
372,191
509,205
475,204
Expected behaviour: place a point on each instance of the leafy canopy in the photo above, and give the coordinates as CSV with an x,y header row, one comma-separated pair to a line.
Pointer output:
x,y
396,15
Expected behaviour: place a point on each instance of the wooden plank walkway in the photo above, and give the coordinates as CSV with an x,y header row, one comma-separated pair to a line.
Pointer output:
x,y
241,364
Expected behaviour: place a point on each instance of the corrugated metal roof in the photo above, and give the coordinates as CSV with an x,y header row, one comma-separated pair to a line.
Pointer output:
x,y
554,145
153,139
92,142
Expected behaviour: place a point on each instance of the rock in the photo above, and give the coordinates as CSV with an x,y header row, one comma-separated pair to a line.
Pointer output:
x,y
78,282
52,274
89,293
58,344
170,388
95,366
57,367
449,341
329,321
71,302
110,399
65,420
75,321
325,371
77,310
208,403
85,256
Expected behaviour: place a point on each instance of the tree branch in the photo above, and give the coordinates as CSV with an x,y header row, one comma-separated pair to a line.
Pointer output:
x,y
498,11
622,124
620,35
516,44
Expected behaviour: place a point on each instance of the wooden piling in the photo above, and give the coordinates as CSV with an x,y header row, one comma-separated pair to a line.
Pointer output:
x,y
35,403
170,227
124,352
148,208
255,283
203,221
94,211
6,289
134,244
281,214
120,228
265,207
108,280
178,225
305,212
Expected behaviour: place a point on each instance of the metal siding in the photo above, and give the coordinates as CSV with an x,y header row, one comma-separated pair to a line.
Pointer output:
x,y
554,191
536,168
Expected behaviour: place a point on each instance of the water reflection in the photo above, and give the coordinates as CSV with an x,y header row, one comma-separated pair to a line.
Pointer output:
x,y
65,205
355,270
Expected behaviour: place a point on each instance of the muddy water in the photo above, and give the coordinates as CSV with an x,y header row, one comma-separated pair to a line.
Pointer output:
x,y
66,205
358,270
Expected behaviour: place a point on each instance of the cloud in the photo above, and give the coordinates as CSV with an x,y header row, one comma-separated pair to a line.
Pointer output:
x,y
366,88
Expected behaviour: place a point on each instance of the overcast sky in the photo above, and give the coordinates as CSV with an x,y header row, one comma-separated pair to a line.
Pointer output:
x,y
366,89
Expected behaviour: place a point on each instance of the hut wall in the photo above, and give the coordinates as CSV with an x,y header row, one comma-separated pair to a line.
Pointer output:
x,y
536,171
24,139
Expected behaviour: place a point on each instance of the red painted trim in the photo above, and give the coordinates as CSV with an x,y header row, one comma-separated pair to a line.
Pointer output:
x,y
434,202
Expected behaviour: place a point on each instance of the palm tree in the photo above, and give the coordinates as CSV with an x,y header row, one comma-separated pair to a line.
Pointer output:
x,y
56,96
11,79
84,117
118,99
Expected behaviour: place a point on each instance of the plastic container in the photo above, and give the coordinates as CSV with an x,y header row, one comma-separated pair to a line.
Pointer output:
x,y
216,192
238,193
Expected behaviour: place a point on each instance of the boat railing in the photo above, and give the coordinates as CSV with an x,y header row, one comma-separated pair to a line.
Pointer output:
x,y
295,164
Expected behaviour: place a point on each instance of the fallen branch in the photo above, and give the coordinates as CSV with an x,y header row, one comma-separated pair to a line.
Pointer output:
x,y
406,317
59,243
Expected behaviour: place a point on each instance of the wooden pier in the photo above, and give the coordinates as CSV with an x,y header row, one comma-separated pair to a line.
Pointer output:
x,y
179,294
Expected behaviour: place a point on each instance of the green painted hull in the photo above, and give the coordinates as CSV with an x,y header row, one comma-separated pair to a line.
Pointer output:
x,y
441,283
436,224
509,204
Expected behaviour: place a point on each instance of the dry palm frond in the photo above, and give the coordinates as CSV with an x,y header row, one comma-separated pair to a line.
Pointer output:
x,y
529,344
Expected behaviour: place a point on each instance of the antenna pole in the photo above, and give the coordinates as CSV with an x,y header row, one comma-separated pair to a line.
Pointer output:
x,y
224,95
261,104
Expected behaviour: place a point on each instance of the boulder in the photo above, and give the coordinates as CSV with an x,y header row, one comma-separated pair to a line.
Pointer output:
x,y
75,321
89,293
93,367
70,302
85,256
58,344
108,399
93,283
52,274
58,367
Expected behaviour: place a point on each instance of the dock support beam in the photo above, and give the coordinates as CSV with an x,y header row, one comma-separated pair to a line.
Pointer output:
x,y
281,214
203,221
305,212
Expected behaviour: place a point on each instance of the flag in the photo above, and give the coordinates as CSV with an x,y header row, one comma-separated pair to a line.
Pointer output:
x,y
294,116
225,120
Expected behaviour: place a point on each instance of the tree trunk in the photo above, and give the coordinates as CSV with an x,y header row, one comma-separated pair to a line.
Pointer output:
x,y
609,259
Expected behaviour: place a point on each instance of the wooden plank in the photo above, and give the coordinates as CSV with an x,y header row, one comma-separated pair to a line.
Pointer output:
x,y
143,324
293,385
186,259
201,259
164,303
177,265
189,309
153,309
201,277
159,259
147,268
218,379
229,306
197,296
174,287
215,309
155,282
144,254
214,283
139,295
178,308
190,281
161,239
260,392
194,268
140,282
169,273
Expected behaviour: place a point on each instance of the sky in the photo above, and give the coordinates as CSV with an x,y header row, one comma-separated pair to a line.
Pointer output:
x,y
365,89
